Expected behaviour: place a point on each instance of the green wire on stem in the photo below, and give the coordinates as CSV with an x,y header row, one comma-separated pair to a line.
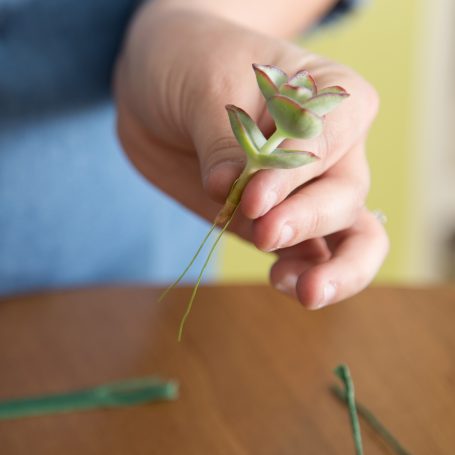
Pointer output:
x,y
372,420
177,281
342,371
204,241
196,286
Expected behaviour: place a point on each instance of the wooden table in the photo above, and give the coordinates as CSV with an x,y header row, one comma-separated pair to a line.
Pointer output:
x,y
254,369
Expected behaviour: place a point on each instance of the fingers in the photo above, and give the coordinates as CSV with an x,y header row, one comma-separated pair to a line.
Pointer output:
x,y
213,139
323,207
344,128
356,255
270,187
329,204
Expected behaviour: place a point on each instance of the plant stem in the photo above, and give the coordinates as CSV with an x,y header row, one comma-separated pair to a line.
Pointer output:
x,y
234,196
372,420
272,143
342,371
177,281
223,219
198,282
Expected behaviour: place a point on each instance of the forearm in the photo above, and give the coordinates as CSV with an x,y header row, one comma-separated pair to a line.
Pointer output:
x,y
283,18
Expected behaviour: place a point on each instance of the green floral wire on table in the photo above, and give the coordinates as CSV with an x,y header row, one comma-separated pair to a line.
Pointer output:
x,y
347,397
342,371
151,389
118,394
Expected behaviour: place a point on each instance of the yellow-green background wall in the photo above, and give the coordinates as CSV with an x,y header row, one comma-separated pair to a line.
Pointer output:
x,y
379,41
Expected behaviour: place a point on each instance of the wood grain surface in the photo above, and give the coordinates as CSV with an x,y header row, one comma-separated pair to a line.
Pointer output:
x,y
254,370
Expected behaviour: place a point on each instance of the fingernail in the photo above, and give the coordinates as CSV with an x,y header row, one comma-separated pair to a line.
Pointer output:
x,y
270,199
328,294
287,233
287,284
227,166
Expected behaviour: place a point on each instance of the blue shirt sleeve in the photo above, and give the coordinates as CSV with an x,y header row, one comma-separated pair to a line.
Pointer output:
x,y
341,9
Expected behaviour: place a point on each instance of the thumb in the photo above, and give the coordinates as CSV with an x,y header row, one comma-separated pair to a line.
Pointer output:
x,y
220,168
220,157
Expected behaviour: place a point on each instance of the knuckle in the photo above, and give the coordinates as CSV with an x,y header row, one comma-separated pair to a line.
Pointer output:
x,y
360,191
219,166
217,86
223,148
314,223
356,197
385,240
371,99
326,144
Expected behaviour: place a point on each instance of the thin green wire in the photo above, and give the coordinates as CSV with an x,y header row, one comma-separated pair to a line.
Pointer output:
x,y
177,281
373,421
196,286
342,371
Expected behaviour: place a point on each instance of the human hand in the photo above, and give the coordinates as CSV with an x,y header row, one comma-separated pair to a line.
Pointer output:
x,y
176,73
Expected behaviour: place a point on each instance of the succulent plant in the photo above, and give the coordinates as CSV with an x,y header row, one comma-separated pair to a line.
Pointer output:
x,y
295,104
297,108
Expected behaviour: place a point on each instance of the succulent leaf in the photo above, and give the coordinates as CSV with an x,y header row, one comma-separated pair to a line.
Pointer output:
x,y
247,133
285,159
304,79
292,119
299,94
324,102
333,89
269,79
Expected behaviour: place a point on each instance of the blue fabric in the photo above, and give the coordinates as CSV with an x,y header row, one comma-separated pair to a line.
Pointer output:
x,y
73,211
341,9
58,53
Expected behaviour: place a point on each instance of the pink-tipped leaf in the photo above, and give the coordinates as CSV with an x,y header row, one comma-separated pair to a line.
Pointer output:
x,y
323,103
285,159
292,119
304,79
270,79
299,94
333,89
247,133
